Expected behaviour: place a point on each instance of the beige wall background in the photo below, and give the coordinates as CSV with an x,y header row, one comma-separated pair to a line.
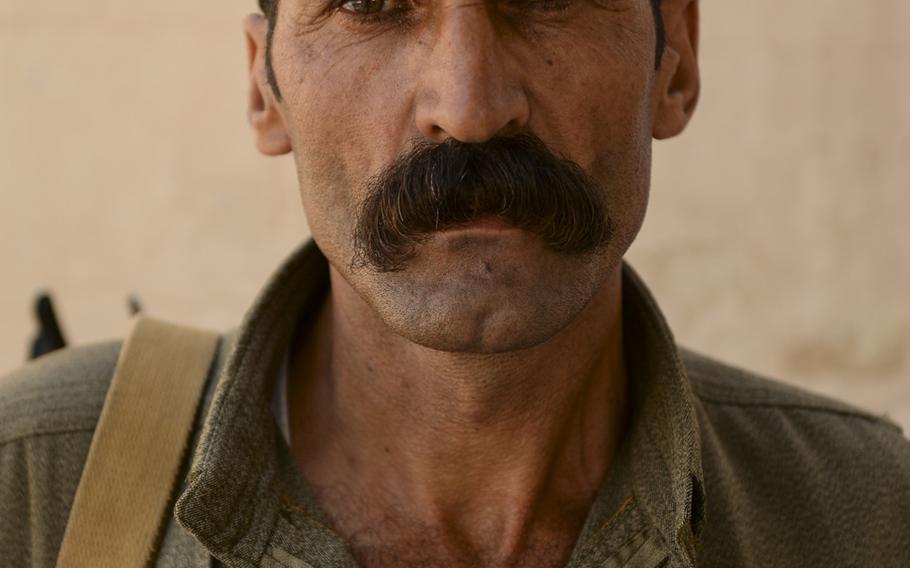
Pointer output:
x,y
777,238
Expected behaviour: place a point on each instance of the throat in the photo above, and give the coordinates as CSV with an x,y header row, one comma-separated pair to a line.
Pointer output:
x,y
422,457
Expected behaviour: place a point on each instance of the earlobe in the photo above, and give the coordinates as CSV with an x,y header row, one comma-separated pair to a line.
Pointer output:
x,y
263,112
677,84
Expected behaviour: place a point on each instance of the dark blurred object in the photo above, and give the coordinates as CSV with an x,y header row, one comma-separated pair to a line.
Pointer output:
x,y
49,338
134,304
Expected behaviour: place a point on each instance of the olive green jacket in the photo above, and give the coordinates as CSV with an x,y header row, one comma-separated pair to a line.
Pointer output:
x,y
720,467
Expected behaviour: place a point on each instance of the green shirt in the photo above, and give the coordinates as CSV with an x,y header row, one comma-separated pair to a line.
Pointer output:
x,y
719,468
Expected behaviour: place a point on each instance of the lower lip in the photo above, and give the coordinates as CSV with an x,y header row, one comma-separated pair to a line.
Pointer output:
x,y
486,224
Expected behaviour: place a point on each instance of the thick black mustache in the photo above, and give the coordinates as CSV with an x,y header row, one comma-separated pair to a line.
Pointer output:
x,y
437,186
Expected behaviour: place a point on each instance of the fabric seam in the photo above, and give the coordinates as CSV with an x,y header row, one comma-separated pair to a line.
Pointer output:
x,y
709,399
19,438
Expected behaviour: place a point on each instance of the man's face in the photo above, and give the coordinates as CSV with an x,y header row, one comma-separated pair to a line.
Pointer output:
x,y
365,82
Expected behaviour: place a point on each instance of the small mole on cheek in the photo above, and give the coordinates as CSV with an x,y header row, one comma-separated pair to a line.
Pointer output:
x,y
487,267
550,62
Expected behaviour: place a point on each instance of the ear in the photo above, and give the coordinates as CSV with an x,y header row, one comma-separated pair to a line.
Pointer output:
x,y
263,111
677,82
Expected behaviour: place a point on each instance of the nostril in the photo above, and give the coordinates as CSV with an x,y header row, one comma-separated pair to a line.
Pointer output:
x,y
514,126
436,133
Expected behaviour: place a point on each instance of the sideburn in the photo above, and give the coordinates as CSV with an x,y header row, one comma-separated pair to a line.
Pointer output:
x,y
270,10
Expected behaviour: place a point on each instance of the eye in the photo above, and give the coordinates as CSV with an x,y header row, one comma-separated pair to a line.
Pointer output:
x,y
363,6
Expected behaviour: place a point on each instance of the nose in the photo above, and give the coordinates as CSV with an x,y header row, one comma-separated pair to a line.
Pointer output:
x,y
470,90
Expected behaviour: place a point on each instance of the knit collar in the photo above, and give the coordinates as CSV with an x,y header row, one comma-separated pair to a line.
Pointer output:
x,y
245,501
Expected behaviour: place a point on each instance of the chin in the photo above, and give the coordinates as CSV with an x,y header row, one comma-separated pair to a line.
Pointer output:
x,y
485,303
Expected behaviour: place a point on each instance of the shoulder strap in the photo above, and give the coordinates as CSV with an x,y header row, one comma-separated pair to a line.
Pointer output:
x,y
136,449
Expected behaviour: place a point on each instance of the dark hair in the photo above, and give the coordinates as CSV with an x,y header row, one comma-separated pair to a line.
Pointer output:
x,y
270,9
516,178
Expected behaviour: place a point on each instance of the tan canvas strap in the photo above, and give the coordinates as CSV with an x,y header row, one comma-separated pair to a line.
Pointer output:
x,y
136,450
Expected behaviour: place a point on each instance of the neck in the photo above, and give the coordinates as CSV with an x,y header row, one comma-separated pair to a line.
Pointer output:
x,y
514,441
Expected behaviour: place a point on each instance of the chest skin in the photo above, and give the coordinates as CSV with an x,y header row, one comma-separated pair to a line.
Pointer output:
x,y
431,549
385,537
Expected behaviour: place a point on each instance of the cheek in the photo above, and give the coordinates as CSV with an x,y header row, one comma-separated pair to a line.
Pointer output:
x,y
603,114
597,111
330,104
591,88
340,110
593,102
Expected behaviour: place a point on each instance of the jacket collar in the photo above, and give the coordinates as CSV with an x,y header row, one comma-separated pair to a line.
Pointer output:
x,y
664,440
245,501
